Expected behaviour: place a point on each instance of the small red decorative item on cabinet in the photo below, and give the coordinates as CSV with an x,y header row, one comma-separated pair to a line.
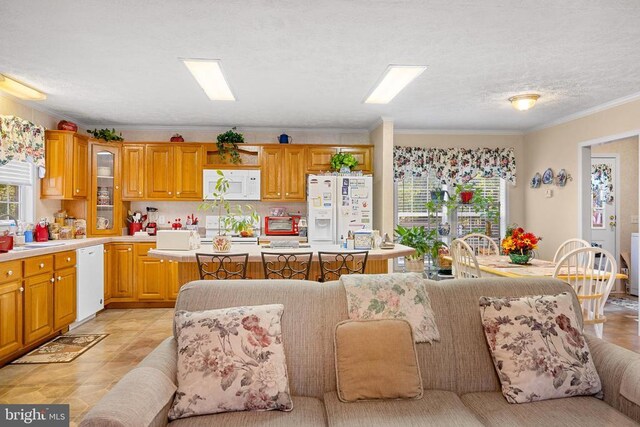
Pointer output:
x,y
177,138
65,125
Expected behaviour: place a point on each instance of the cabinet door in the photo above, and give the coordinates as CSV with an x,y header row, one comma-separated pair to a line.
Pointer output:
x,y
38,307
294,174
122,271
173,285
80,167
64,298
151,278
319,158
10,317
133,172
362,155
189,172
108,268
160,171
105,217
271,173
52,185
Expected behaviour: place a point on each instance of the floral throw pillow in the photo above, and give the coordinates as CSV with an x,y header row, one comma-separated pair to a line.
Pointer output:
x,y
537,348
230,360
392,296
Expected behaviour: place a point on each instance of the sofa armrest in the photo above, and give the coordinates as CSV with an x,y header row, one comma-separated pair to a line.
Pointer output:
x,y
619,371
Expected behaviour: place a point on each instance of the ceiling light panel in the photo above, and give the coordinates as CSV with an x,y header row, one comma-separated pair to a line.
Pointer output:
x,y
20,90
395,78
208,73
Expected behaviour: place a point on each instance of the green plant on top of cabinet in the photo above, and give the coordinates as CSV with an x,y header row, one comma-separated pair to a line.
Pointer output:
x,y
66,165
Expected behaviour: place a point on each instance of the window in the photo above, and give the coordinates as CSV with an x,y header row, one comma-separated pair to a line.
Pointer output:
x,y
412,195
16,191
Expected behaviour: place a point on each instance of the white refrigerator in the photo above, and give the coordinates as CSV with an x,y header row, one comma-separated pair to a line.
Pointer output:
x,y
337,205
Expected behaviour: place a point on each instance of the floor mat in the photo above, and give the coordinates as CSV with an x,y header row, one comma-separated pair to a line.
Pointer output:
x,y
62,349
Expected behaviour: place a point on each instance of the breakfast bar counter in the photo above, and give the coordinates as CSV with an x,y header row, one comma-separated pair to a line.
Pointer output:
x,y
377,262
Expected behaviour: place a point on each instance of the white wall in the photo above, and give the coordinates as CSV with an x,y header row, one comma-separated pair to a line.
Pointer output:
x,y
382,139
9,106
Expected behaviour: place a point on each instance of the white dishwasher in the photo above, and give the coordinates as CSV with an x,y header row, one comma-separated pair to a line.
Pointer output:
x,y
89,283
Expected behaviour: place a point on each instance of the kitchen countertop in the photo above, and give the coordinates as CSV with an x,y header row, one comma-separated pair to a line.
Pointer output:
x,y
254,252
71,245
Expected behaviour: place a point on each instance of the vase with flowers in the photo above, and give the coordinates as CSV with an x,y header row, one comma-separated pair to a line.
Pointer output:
x,y
519,244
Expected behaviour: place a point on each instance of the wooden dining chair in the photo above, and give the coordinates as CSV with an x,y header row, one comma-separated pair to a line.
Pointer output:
x,y
591,272
465,263
335,264
288,265
222,266
569,245
481,244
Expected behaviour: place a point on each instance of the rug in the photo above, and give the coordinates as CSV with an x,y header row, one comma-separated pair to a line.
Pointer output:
x,y
631,304
62,349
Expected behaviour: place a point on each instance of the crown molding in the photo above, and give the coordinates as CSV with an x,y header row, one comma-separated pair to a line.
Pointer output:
x,y
380,120
589,111
223,128
457,132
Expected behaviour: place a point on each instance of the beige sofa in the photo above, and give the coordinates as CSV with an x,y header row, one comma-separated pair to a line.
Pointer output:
x,y
460,384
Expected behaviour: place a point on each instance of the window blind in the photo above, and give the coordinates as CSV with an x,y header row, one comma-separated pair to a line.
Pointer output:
x,y
16,173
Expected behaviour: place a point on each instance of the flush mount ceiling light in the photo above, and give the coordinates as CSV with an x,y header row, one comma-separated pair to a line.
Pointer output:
x,y
208,74
394,79
20,90
524,102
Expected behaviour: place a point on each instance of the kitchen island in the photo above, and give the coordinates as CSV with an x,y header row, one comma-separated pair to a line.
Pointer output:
x,y
377,262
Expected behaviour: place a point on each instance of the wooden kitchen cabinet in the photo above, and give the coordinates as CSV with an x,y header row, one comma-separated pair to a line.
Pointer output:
x,y
121,272
108,266
151,275
319,158
11,316
66,165
364,156
64,298
106,177
38,307
160,165
249,157
133,171
188,160
173,282
294,174
283,173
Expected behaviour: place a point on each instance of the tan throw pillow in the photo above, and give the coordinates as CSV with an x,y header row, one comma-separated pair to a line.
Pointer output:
x,y
537,349
376,359
230,360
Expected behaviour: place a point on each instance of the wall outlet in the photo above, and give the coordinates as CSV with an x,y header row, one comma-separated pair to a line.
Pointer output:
x,y
634,219
548,194
162,219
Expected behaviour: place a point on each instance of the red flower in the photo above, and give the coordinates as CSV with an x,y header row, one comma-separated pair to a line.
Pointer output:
x,y
250,322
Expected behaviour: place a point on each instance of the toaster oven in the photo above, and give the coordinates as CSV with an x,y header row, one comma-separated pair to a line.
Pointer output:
x,y
281,225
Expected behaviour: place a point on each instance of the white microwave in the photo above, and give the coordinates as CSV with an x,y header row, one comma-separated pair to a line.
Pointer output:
x,y
243,184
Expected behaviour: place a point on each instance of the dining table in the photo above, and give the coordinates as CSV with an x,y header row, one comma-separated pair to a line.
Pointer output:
x,y
501,266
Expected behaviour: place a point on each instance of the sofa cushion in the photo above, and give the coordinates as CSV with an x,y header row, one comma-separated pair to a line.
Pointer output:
x,y
436,408
538,349
230,360
376,359
307,411
493,410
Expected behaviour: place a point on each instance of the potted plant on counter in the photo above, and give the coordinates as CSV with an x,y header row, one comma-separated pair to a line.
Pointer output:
x,y
343,162
242,221
227,143
424,243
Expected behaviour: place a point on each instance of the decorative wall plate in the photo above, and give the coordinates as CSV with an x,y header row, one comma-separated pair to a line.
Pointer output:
x,y
561,178
536,180
547,177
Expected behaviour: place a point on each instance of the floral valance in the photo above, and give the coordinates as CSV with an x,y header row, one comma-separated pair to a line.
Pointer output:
x,y
21,140
454,165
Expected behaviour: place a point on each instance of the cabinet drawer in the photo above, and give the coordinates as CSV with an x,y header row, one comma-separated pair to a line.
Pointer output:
x,y
141,249
10,270
38,265
64,260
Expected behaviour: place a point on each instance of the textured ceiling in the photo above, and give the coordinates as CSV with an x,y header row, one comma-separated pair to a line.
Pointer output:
x,y
311,63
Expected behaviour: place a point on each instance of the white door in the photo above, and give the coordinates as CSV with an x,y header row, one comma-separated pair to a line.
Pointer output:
x,y
603,202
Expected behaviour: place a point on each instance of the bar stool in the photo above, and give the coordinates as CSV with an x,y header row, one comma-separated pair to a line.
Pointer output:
x,y
292,265
222,266
335,264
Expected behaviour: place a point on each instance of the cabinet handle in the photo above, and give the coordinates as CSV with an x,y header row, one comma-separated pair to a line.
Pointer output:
x,y
59,278
161,261
68,259
139,193
21,289
41,265
177,192
10,273
170,261
169,193
52,280
129,249
278,194
117,187
77,190
286,194
105,251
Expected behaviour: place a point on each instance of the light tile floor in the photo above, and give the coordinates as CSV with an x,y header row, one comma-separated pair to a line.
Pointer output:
x,y
133,334
83,382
